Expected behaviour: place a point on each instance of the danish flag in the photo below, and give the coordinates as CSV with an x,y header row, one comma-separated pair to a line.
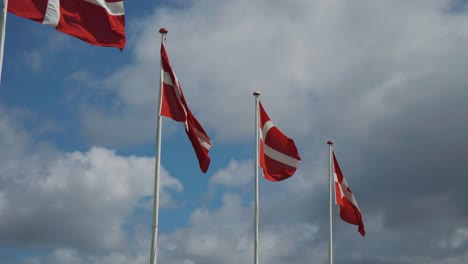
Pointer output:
x,y
279,157
98,22
175,107
349,210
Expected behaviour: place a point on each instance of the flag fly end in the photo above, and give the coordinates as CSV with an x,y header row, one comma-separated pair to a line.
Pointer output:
x,y
174,106
279,157
163,30
344,197
97,22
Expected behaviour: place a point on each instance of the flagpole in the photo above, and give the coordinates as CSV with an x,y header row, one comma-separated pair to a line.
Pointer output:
x,y
330,198
2,34
157,169
257,133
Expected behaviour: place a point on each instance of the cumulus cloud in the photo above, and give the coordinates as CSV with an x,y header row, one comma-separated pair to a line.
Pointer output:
x,y
385,80
80,200
226,235
235,174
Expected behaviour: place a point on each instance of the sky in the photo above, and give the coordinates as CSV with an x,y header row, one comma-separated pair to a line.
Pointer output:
x,y
385,80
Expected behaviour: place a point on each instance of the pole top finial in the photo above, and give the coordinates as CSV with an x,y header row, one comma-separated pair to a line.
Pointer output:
x,y
256,93
329,142
163,30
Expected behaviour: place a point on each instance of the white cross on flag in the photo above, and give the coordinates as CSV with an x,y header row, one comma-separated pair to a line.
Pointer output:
x,y
175,107
98,22
349,210
279,157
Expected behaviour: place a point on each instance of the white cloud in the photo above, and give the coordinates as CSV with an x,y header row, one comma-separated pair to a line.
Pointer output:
x,y
235,174
311,60
459,237
226,235
80,200
384,79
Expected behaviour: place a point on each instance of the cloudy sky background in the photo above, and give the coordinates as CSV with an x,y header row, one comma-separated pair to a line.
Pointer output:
x,y
385,80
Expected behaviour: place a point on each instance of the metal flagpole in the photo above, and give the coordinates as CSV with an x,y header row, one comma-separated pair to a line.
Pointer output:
x,y
157,169
2,34
257,130
330,198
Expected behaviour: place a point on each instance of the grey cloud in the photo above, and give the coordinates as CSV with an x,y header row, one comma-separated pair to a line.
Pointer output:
x,y
235,175
385,80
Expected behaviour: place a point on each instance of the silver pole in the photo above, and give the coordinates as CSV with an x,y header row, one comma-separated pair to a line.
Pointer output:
x,y
2,34
157,169
257,130
330,201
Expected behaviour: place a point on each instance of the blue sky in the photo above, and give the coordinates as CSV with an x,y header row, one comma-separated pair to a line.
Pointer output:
x,y
385,80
